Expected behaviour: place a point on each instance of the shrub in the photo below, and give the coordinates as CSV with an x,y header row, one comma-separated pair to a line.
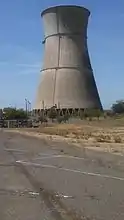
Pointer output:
x,y
52,114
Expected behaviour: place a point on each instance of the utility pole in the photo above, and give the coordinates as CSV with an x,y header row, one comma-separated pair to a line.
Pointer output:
x,y
29,107
26,106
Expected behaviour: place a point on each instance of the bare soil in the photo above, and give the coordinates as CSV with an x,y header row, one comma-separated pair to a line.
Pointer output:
x,y
103,135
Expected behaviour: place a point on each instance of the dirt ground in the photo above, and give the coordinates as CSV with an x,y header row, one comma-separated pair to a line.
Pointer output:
x,y
104,135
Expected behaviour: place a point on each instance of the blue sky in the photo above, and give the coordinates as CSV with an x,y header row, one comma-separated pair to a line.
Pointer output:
x,y
21,51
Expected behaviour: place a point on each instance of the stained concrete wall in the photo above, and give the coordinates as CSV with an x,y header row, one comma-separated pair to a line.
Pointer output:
x,y
67,77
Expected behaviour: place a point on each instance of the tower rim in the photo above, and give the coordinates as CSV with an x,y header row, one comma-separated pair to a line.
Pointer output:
x,y
47,10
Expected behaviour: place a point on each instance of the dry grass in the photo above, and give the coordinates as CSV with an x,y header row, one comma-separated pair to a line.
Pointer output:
x,y
107,136
100,132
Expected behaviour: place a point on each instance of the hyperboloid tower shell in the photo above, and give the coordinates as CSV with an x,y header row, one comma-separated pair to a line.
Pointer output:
x,y
67,78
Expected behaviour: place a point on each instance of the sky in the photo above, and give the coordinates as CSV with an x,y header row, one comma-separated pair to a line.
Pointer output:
x,y
21,50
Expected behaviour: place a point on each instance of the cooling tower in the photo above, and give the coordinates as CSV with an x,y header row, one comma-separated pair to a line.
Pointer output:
x,y
66,77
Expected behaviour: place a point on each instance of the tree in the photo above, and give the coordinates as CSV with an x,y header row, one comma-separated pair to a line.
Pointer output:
x,y
52,113
118,107
14,114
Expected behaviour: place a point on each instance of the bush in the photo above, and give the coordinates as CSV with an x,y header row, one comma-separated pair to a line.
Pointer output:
x,y
60,119
82,114
52,114
14,114
118,107
43,119
91,113
63,118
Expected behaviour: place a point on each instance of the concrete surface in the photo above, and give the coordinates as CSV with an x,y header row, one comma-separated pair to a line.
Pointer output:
x,y
67,78
47,180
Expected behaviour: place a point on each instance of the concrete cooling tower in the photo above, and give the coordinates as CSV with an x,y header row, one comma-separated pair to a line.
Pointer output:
x,y
67,78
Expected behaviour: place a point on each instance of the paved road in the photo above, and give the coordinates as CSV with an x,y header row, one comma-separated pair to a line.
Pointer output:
x,y
43,180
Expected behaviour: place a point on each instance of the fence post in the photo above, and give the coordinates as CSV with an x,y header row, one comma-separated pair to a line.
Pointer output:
x,y
8,124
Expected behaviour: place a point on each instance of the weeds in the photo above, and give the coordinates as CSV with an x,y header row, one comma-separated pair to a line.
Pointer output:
x,y
117,139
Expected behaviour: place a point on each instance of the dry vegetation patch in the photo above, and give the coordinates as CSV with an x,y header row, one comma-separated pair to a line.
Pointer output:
x,y
103,136
84,132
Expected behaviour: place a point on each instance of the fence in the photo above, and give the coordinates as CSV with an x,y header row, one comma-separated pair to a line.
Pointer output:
x,y
15,123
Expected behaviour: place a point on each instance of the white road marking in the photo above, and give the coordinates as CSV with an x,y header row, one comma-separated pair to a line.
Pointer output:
x,y
16,150
18,191
61,156
74,157
45,154
34,193
63,196
71,170
21,161
47,157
